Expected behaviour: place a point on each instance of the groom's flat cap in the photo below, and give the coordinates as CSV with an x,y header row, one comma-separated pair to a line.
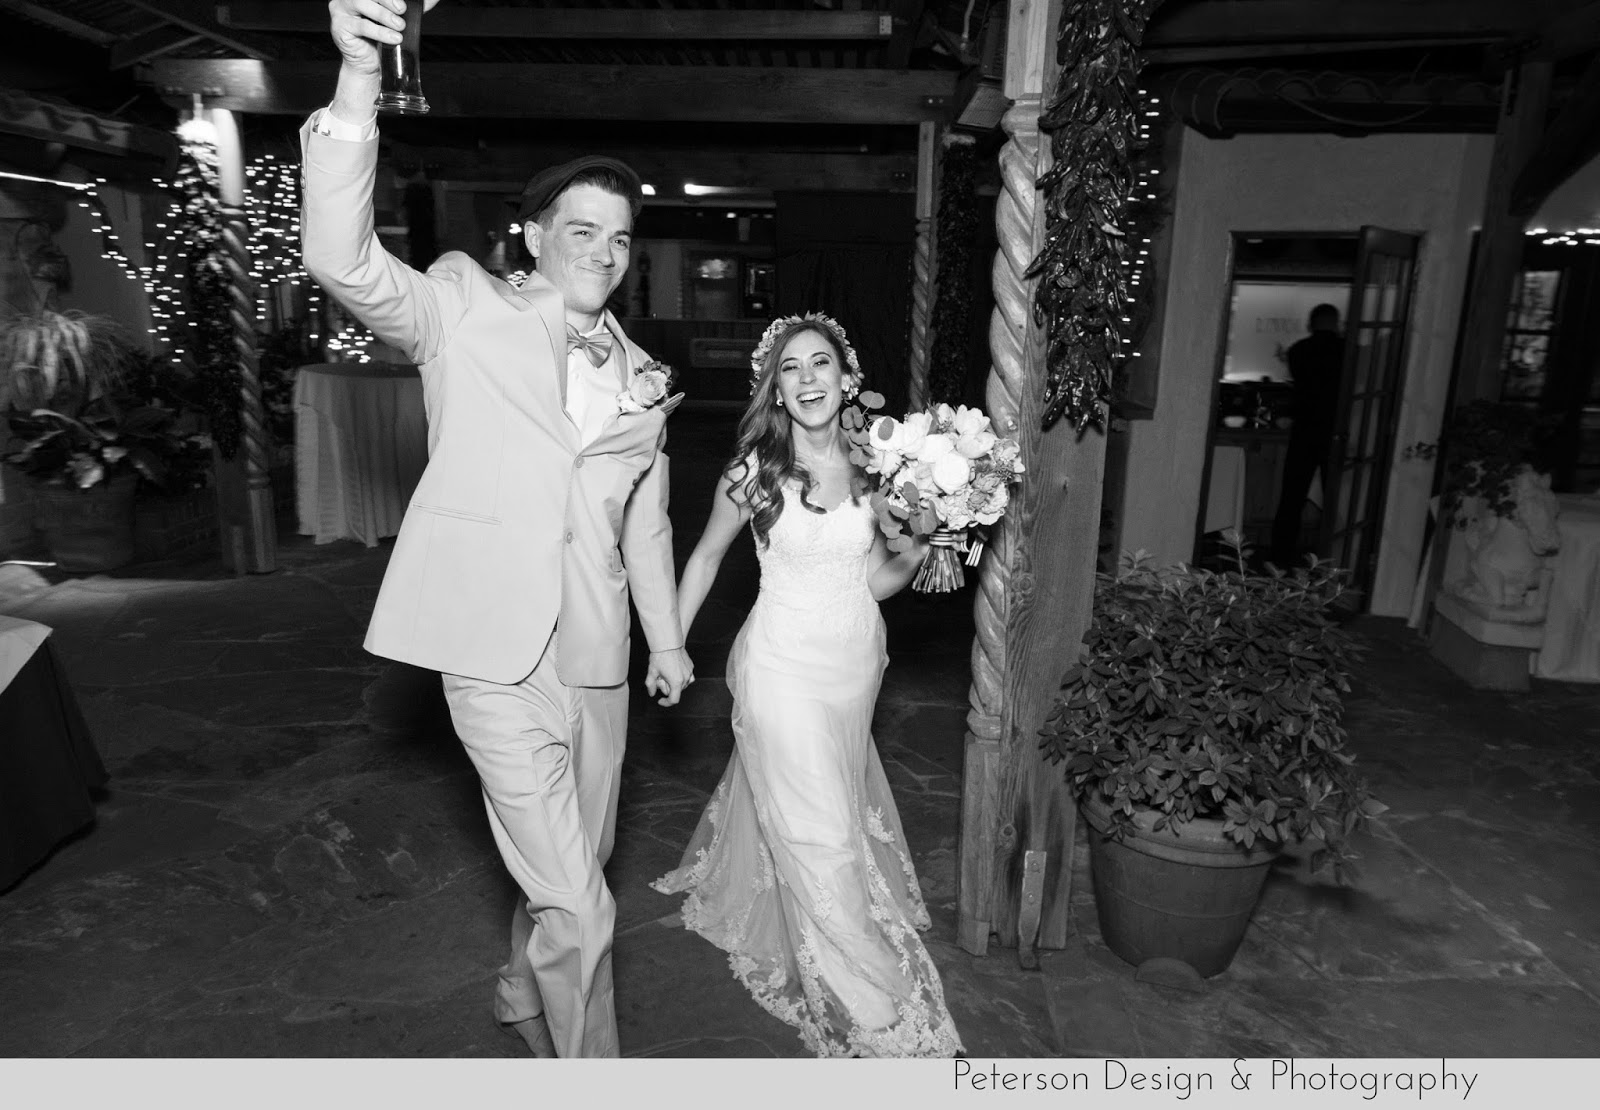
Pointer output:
x,y
546,185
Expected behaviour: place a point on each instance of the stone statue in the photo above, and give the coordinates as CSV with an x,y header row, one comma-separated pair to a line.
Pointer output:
x,y
1508,574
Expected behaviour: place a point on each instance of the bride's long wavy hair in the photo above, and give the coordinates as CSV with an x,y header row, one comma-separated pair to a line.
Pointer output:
x,y
765,433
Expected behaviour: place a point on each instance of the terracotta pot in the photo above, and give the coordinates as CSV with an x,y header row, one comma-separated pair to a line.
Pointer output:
x,y
1185,893
89,529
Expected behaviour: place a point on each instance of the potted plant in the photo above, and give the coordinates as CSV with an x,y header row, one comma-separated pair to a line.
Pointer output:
x,y
1201,731
1495,493
1488,446
81,434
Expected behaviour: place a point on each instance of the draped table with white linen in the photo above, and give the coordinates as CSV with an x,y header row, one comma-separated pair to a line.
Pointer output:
x,y
1571,650
48,764
361,442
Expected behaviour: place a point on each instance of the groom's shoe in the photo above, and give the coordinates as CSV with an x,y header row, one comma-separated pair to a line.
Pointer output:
x,y
535,1033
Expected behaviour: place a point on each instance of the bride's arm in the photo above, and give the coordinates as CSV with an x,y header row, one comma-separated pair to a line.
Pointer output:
x,y
888,573
728,515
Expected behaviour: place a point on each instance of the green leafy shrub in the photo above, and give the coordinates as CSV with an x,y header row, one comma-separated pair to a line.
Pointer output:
x,y
1205,694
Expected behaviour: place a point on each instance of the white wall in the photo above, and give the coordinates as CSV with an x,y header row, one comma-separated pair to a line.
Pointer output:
x,y
1428,184
1574,204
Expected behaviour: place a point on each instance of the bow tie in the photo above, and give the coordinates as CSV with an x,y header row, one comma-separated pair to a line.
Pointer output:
x,y
597,346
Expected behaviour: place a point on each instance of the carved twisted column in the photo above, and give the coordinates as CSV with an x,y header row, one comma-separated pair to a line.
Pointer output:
x,y
244,487
922,265
1014,380
255,445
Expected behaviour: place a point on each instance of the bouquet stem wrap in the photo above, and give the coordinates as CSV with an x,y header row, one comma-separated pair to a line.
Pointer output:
x,y
941,570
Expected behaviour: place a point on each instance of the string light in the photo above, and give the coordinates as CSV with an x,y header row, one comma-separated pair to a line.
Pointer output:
x,y
272,212
1579,237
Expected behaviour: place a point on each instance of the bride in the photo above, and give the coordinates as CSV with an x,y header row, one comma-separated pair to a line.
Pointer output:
x,y
799,869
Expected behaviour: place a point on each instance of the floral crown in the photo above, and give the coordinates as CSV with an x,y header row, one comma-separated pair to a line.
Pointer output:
x,y
783,324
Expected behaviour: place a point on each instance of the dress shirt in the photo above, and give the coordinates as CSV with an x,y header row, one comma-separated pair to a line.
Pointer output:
x,y
324,122
591,390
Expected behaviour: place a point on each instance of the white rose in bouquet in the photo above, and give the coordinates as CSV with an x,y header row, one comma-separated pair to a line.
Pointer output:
x,y
969,421
936,447
975,445
916,428
951,471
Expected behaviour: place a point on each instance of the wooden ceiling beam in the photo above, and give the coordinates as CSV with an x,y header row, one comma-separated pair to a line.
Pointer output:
x,y
151,44
1267,21
721,94
1568,143
199,17
41,14
1570,34
506,168
1238,52
590,23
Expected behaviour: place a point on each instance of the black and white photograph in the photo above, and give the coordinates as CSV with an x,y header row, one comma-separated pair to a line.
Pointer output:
x,y
1056,539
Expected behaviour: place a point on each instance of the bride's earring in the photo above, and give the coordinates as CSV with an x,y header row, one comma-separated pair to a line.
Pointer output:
x,y
780,402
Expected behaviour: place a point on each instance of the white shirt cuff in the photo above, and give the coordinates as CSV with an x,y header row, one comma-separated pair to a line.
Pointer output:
x,y
324,122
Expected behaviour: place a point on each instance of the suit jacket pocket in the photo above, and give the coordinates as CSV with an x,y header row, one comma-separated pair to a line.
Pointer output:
x,y
459,514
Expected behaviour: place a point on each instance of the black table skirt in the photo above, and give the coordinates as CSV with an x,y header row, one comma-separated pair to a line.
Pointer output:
x,y
48,765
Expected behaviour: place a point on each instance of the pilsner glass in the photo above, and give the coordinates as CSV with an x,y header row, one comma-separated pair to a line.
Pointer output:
x,y
402,81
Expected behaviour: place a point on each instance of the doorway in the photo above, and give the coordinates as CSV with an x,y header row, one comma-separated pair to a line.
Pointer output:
x,y
1298,459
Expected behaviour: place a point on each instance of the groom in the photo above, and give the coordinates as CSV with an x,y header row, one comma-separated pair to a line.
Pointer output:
x,y
543,505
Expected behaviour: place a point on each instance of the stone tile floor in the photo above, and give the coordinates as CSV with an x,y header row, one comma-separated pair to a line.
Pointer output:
x,y
292,859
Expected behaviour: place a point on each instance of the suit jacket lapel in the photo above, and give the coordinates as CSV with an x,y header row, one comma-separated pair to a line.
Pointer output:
x,y
623,348
537,291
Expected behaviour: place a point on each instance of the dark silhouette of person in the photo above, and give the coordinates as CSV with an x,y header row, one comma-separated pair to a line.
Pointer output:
x,y
1315,365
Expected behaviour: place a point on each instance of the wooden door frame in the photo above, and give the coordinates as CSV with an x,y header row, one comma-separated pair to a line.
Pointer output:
x,y
1389,413
1221,356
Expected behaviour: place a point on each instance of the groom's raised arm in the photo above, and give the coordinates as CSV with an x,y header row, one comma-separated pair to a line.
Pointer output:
x,y
414,312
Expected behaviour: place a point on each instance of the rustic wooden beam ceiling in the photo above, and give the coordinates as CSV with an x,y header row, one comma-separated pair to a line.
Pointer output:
x,y
151,44
590,23
506,168
723,94
1301,21
42,13
199,17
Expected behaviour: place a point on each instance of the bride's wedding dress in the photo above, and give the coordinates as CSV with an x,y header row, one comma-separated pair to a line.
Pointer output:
x,y
799,869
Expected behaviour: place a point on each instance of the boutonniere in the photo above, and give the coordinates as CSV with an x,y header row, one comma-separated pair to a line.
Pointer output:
x,y
648,387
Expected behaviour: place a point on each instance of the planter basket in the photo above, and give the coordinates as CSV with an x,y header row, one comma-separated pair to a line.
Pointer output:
x,y
1185,895
88,530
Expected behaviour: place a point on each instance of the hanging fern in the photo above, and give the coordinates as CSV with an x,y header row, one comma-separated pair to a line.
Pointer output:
x,y
1097,207
956,233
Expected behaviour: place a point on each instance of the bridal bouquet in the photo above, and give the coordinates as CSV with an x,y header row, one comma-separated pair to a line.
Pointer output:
x,y
941,474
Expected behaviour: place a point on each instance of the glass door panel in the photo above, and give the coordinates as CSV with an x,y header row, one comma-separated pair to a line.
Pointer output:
x,y
1357,468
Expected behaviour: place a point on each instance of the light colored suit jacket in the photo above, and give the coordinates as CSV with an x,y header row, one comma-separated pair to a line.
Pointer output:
x,y
517,529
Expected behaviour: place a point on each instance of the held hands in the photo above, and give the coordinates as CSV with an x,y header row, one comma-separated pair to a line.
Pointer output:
x,y
360,25
669,674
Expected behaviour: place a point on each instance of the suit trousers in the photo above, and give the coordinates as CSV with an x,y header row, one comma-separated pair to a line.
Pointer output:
x,y
549,758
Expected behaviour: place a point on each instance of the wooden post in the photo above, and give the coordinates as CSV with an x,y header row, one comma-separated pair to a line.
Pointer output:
x,y
923,263
1524,105
244,484
1018,818
1494,274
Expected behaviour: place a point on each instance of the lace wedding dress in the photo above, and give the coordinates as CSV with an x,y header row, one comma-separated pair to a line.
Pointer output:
x,y
799,869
